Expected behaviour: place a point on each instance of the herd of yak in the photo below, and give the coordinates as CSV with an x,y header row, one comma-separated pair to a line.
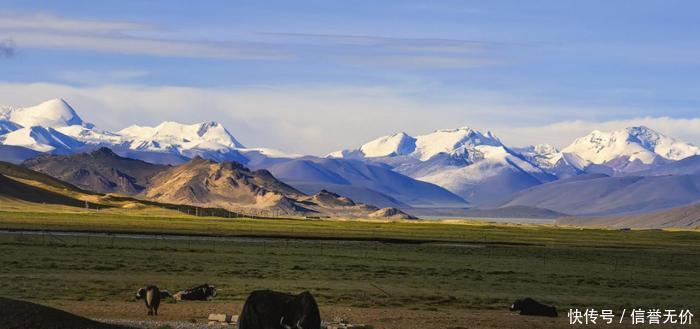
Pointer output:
x,y
267,309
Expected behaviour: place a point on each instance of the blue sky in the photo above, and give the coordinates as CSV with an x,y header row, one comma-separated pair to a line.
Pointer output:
x,y
315,76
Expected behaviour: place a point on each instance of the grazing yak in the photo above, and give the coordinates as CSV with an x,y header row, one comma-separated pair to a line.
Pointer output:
x,y
201,292
151,296
529,306
267,309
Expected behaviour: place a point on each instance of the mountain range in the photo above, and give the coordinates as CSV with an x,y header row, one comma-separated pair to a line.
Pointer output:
x,y
199,182
607,172
473,165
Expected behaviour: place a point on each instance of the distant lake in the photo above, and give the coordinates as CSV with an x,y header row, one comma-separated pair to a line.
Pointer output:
x,y
497,220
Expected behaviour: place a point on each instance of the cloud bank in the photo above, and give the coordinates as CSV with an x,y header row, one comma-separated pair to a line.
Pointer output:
x,y
46,30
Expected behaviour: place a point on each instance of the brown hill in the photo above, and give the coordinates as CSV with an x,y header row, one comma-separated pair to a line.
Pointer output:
x,y
11,189
227,185
232,186
25,189
391,213
100,171
681,217
19,172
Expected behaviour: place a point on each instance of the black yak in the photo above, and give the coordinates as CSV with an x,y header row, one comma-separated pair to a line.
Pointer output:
x,y
266,309
201,292
529,306
151,296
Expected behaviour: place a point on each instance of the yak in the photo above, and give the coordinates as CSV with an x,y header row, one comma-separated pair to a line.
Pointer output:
x,y
267,309
529,306
201,292
151,296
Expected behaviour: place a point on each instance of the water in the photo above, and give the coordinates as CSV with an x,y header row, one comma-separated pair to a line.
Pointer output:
x,y
513,220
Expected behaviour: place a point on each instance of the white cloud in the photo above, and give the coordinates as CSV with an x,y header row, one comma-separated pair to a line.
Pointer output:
x,y
43,30
48,21
320,119
411,44
143,46
423,61
100,77
369,50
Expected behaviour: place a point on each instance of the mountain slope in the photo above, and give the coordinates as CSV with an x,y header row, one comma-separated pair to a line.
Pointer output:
x,y
100,171
601,194
687,166
369,183
16,154
8,126
228,185
20,172
11,189
41,139
681,217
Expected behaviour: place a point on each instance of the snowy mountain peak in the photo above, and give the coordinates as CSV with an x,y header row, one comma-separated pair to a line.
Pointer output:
x,y
452,141
635,143
53,113
171,135
423,147
544,155
645,136
553,161
396,144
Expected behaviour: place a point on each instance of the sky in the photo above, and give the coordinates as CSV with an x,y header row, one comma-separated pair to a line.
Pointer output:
x,y
313,77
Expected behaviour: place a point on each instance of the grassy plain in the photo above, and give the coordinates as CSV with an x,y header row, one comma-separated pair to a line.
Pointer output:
x,y
443,268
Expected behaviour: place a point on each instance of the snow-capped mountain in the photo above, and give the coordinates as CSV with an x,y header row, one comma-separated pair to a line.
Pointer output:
x,y
55,127
53,113
469,163
423,147
207,139
630,149
553,161
38,127
396,144
169,135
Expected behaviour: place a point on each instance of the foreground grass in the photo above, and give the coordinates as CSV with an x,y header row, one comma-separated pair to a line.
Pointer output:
x,y
352,273
465,265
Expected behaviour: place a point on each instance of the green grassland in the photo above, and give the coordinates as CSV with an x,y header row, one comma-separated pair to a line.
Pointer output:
x,y
172,222
413,265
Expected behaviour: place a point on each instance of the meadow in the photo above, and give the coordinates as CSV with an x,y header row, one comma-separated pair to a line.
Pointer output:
x,y
361,265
